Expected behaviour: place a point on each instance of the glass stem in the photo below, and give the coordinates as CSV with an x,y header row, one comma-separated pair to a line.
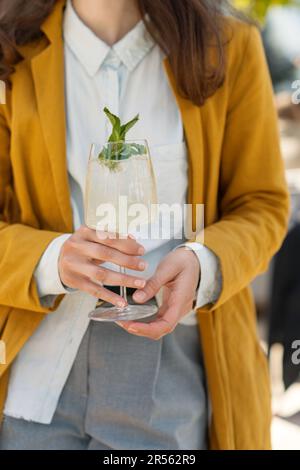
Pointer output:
x,y
123,290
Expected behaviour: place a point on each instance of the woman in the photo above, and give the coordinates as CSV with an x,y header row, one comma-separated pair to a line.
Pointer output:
x,y
198,76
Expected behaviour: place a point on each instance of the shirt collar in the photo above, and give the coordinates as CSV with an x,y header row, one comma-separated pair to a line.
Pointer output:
x,y
92,52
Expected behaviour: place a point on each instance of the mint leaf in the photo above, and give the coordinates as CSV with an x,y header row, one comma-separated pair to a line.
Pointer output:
x,y
118,149
119,131
115,121
116,124
126,127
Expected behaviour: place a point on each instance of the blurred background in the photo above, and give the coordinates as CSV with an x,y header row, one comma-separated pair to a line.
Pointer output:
x,y
277,292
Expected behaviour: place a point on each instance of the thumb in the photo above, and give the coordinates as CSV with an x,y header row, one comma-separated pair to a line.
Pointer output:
x,y
163,274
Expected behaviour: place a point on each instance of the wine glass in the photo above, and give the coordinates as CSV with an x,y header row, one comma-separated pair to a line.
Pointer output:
x,y
120,179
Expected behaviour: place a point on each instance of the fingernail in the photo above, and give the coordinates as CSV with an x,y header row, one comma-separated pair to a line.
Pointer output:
x,y
141,251
121,304
132,330
143,265
139,283
139,295
102,235
131,236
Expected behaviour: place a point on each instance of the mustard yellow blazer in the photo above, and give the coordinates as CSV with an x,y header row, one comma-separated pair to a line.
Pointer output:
x,y
236,170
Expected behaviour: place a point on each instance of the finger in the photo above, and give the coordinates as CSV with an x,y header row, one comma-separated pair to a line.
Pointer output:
x,y
124,244
107,276
167,319
162,276
104,253
153,330
97,291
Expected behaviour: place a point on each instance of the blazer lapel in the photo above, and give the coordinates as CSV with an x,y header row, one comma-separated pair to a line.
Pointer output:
x,y
48,75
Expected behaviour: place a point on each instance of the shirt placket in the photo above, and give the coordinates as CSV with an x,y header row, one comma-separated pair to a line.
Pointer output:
x,y
111,76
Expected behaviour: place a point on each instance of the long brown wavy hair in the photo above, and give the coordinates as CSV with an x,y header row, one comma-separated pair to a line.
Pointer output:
x,y
190,32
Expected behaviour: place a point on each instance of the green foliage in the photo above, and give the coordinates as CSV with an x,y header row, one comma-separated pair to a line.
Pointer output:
x,y
118,149
258,8
119,132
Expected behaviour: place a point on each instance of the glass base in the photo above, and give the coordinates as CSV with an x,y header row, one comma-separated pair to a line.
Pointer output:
x,y
129,313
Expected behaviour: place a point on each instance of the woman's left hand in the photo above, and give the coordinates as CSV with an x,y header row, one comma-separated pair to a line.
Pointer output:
x,y
178,274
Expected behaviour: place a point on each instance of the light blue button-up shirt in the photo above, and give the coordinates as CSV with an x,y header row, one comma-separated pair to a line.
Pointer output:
x,y
128,78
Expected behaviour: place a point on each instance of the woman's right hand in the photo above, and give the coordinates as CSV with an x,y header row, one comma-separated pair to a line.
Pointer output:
x,y
80,261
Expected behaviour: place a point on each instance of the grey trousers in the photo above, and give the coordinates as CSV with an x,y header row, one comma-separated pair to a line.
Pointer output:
x,y
125,392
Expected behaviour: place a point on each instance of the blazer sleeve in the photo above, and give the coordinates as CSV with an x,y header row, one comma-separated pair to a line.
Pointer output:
x,y
254,202
21,246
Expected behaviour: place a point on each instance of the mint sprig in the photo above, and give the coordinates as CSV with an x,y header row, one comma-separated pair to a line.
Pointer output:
x,y
118,149
119,132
